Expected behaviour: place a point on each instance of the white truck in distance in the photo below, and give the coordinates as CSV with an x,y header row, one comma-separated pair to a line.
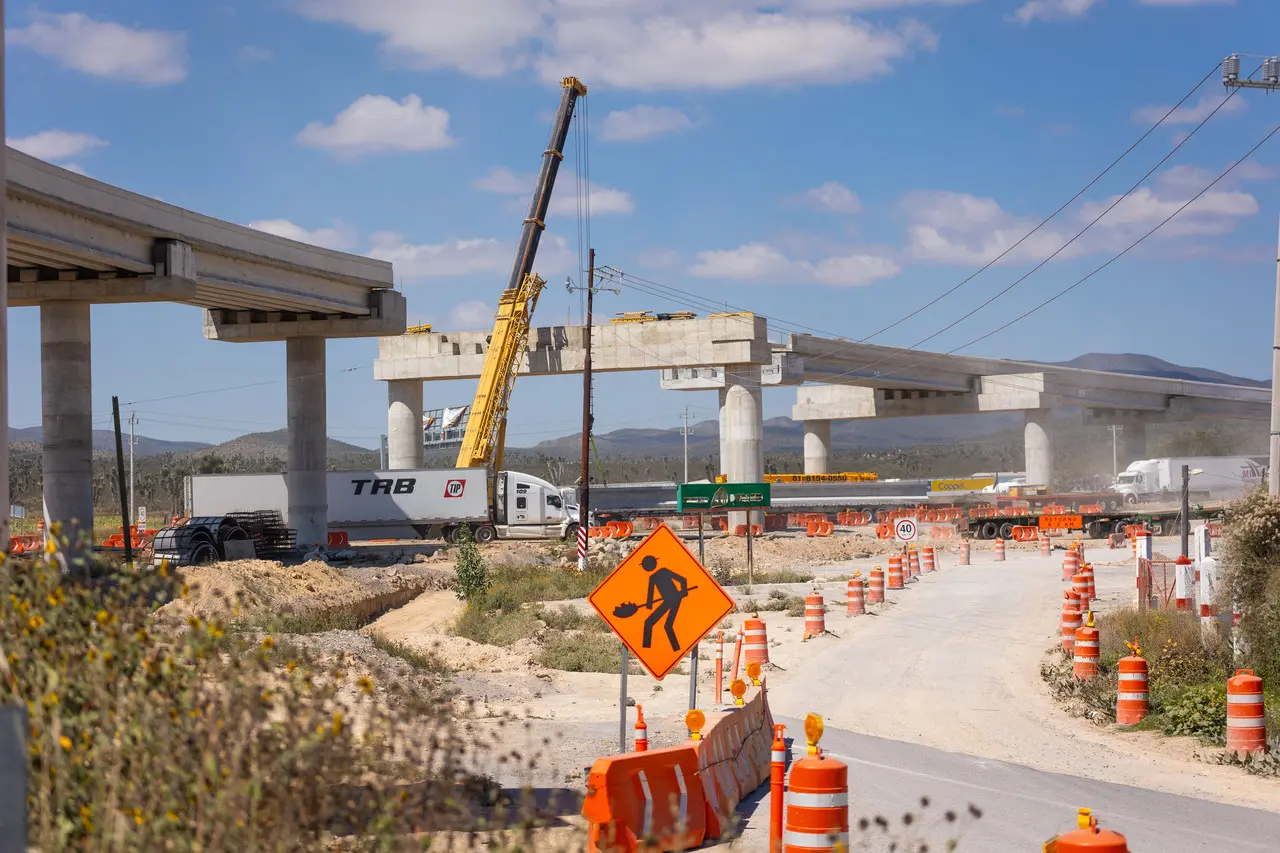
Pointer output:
x,y
405,504
1219,476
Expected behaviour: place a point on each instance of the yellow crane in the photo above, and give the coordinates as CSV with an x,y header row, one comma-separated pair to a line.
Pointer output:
x,y
485,438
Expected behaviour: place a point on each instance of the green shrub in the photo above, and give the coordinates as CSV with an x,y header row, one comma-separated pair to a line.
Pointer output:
x,y
1199,711
472,578
512,587
189,737
568,618
496,628
427,661
582,653
1250,562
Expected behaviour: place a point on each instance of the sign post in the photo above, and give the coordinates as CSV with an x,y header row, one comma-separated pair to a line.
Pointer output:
x,y
707,497
660,602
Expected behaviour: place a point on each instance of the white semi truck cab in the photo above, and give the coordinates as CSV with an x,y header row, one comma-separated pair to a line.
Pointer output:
x,y
1227,477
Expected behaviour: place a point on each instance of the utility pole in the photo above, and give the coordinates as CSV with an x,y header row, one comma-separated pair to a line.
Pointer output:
x,y
1270,81
133,499
1115,456
1186,506
685,431
584,496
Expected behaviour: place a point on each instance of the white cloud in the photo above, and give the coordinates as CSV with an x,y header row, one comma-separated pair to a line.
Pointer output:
x,y
252,53
1010,111
1190,113
52,145
831,197
762,262
469,256
657,258
1052,10
106,49
639,44
472,314
376,123
965,230
643,122
74,167
340,237
604,200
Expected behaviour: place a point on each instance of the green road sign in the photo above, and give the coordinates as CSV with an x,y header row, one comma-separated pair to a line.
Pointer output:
x,y
704,497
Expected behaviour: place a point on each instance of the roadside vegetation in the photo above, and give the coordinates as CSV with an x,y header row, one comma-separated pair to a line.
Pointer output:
x,y
151,736
1189,666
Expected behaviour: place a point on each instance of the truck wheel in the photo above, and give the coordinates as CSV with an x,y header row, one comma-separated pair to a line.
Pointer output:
x,y
1157,528
1096,529
1121,525
1131,499
990,530
1006,530
485,534
571,533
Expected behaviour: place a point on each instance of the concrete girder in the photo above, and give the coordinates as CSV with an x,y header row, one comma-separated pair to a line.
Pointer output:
x,y
61,221
387,314
994,394
786,369
703,342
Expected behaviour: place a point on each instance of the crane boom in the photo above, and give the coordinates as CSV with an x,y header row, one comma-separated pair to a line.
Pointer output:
x,y
485,437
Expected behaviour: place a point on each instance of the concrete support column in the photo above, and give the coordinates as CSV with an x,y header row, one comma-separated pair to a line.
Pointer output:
x,y
4,331
66,392
723,459
817,447
308,437
743,447
404,423
1038,448
1133,443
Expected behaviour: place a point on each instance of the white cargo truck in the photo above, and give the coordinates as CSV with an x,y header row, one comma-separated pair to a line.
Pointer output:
x,y
1225,477
405,504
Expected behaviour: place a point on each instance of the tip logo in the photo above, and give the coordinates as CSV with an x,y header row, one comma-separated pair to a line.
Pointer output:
x,y
454,488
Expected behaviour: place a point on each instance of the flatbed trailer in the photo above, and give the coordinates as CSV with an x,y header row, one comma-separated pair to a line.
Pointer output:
x,y
1095,525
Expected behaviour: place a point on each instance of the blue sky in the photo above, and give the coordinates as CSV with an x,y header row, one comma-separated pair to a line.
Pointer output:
x,y
829,163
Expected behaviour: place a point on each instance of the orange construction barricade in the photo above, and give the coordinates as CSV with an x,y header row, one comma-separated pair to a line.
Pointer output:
x,y
1085,665
646,800
857,602
1088,838
755,644
815,616
1131,689
875,591
896,579
1246,721
1070,620
817,816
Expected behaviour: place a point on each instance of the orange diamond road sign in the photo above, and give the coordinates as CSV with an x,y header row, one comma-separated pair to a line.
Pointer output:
x,y
660,602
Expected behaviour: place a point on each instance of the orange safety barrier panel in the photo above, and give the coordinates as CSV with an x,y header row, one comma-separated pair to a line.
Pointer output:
x,y
646,800
597,532
1091,508
1246,721
1131,690
1025,533
942,531
740,530
338,539
692,522
884,531
733,759
815,616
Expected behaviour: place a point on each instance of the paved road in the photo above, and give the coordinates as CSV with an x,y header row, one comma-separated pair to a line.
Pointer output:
x,y
1021,807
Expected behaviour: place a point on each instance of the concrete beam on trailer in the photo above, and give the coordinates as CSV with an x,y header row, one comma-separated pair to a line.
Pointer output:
x,y
704,343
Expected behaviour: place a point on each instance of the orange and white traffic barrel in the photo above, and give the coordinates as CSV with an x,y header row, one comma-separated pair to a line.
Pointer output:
x,y
896,578
755,643
999,550
1246,721
1080,586
1085,665
1088,837
857,601
1087,571
1131,691
964,552
1183,581
929,559
817,816
1070,564
1070,620
777,786
719,666
642,731
913,564
875,591
1046,546
815,616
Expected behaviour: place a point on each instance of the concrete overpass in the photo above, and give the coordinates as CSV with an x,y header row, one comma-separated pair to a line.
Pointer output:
x,y
732,355
74,241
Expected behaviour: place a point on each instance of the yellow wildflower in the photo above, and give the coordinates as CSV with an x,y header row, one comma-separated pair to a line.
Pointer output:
x,y
35,622
103,617
365,685
65,742
291,665
173,818
267,642
337,723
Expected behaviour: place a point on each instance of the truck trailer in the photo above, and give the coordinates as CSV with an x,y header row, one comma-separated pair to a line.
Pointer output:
x,y
405,504
1226,477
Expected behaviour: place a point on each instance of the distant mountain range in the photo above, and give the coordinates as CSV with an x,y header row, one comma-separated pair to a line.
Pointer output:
x,y
781,435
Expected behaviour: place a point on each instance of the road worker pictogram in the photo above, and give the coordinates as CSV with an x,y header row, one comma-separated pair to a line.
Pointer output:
x,y
660,602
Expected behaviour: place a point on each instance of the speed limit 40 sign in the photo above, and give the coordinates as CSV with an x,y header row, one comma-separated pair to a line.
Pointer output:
x,y
906,530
